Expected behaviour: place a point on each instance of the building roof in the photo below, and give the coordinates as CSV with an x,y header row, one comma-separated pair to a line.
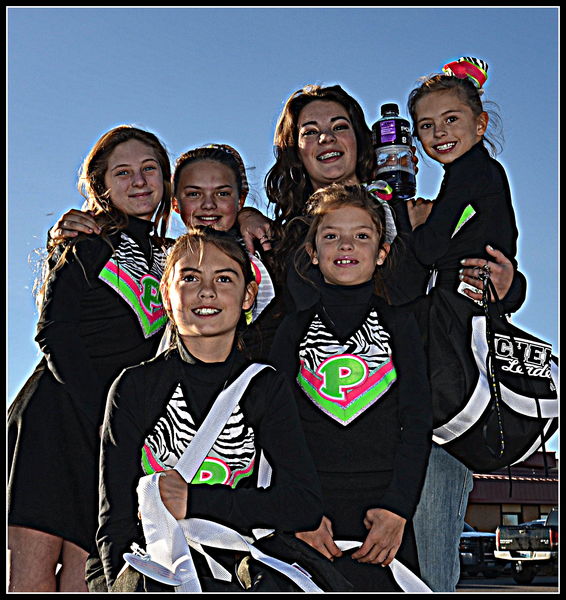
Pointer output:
x,y
527,485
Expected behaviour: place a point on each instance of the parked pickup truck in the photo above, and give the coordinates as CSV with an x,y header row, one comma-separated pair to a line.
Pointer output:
x,y
476,553
530,547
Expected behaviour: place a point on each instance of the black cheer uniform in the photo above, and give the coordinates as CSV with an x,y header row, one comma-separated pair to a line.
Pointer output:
x,y
153,412
101,312
364,401
473,209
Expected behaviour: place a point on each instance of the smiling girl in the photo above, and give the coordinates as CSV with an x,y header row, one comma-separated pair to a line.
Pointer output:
x,y
359,378
472,216
154,410
100,311
210,186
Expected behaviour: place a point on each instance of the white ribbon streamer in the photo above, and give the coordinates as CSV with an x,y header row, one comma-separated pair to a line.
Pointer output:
x,y
168,558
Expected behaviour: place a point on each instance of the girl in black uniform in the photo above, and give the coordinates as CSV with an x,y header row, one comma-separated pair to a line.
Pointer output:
x,y
472,216
154,410
101,311
361,386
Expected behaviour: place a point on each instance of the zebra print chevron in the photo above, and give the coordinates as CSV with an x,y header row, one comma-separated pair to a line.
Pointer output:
x,y
131,277
231,457
344,380
371,342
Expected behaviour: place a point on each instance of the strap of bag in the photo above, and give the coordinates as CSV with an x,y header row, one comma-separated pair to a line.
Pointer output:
x,y
201,531
219,536
491,371
489,287
193,457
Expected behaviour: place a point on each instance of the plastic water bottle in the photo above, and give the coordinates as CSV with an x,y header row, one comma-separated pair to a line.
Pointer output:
x,y
392,143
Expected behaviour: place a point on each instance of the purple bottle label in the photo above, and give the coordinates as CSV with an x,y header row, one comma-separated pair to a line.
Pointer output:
x,y
387,131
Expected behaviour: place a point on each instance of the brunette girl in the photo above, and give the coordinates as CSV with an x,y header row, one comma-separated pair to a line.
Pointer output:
x,y
154,410
472,216
101,311
361,386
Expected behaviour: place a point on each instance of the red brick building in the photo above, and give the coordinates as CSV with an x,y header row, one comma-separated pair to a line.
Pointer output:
x,y
529,495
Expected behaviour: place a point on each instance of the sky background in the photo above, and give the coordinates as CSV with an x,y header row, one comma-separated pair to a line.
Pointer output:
x,y
200,75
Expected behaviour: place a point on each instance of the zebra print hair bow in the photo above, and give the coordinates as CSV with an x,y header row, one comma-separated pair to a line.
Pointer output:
x,y
468,67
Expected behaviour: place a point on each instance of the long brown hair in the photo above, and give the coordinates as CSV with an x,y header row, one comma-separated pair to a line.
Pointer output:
x,y
92,187
287,184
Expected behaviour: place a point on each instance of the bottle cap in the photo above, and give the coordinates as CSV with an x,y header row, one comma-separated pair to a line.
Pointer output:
x,y
389,109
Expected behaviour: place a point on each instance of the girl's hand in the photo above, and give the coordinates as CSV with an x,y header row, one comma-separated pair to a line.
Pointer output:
x,y
174,493
415,158
72,223
254,225
322,539
384,537
501,273
419,210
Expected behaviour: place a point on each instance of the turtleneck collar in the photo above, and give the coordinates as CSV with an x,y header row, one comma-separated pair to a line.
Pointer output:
x,y
140,230
139,227
187,357
346,306
307,293
363,289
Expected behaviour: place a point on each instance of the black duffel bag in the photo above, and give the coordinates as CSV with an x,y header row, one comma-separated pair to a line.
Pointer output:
x,y
513,409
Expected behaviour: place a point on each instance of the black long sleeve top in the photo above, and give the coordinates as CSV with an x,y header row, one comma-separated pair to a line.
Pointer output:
x,y
101,312
477,183
393,435
137,409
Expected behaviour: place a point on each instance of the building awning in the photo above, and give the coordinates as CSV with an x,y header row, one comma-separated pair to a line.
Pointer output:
x,y
494,489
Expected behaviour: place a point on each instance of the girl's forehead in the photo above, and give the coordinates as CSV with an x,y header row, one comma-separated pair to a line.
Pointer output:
x,y
131,150
440,99
208,168
347,216
321,110
206,256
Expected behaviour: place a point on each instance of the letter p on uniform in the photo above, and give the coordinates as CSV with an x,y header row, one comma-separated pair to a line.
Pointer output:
x,y
151,296
340,373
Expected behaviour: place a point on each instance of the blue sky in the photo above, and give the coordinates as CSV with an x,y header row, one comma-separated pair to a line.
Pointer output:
x,y
201,75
